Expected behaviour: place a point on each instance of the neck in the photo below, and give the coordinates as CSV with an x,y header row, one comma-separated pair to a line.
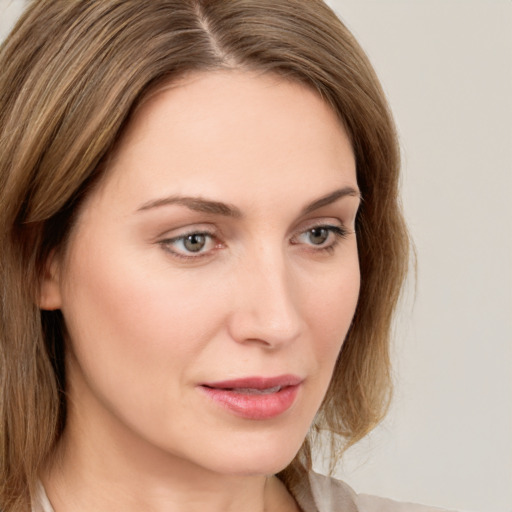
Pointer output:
x,y
94,470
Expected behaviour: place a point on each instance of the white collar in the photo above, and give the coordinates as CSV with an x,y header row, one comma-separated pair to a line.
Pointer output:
x,y
40,502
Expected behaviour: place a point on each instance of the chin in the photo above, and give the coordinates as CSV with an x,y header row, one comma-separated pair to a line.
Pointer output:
x,y
266,465
257,455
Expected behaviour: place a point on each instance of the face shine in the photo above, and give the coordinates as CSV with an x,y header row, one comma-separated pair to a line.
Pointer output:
x,y
220,246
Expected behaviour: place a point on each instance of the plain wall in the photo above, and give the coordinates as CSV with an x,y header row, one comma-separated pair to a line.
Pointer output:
x,y
9,12
446,66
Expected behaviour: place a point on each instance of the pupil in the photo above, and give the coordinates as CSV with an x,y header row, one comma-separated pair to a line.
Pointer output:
x,y
318,235
194,243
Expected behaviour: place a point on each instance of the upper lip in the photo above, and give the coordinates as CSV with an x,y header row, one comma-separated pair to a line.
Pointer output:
x,y
256,382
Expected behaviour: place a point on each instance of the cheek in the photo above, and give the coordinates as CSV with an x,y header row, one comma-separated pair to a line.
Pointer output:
x,y
135,340
126,322
332,304
330,308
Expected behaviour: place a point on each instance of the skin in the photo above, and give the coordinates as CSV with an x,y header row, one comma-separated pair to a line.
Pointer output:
x,y
149,320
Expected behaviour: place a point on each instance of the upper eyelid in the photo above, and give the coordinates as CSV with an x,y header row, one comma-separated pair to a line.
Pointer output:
x,y
336,230
185,234
213,229
310,218
320,222
215,232
176,233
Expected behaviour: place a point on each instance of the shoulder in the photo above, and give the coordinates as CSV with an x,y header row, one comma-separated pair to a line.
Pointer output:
x,y
326,494
367,503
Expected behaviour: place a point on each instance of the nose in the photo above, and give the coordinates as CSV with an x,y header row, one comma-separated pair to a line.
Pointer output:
x,y
266,306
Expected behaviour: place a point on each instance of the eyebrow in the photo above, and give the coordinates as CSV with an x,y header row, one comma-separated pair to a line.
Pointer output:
x,y
331,198
197,204
202,205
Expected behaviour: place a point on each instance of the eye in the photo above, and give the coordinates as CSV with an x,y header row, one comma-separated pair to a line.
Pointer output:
x,y
320,237
190,245
195,242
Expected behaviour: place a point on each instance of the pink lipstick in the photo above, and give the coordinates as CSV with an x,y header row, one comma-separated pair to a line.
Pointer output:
x,y
255,398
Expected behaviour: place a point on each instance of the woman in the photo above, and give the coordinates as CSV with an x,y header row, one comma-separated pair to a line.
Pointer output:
x,y
202,250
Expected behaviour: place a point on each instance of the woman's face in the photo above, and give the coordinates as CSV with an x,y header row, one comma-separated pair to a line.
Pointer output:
x,y
211,278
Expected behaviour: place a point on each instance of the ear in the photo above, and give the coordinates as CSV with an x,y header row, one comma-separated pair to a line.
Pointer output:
x,y
49,294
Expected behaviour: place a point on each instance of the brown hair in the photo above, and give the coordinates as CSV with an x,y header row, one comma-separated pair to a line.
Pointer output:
x,y
72,73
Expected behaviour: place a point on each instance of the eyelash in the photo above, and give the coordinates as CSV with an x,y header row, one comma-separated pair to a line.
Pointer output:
x,y
338,232
168,242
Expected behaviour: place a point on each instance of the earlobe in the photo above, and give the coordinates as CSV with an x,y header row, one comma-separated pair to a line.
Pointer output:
x,y
49,294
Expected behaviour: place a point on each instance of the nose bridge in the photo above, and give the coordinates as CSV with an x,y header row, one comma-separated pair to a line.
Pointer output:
x,y
267,309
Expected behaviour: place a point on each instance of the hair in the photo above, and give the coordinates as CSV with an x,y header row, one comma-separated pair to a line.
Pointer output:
x,y
73,72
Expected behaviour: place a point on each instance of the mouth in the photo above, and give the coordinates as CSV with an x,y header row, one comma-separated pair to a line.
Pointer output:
x,y
254,391
255,398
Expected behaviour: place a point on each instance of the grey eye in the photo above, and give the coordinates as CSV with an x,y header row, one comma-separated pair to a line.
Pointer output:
x,y
194,242
318,236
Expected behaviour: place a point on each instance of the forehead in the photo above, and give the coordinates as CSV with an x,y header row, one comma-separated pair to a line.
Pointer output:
x,y
224,132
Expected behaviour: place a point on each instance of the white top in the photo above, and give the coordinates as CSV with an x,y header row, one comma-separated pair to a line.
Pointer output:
x,y
325,494
319,494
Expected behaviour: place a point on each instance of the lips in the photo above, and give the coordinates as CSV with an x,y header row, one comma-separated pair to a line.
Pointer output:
x,y
255,398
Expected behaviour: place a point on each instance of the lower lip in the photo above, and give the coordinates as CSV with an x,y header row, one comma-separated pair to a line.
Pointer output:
x,y
254,406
